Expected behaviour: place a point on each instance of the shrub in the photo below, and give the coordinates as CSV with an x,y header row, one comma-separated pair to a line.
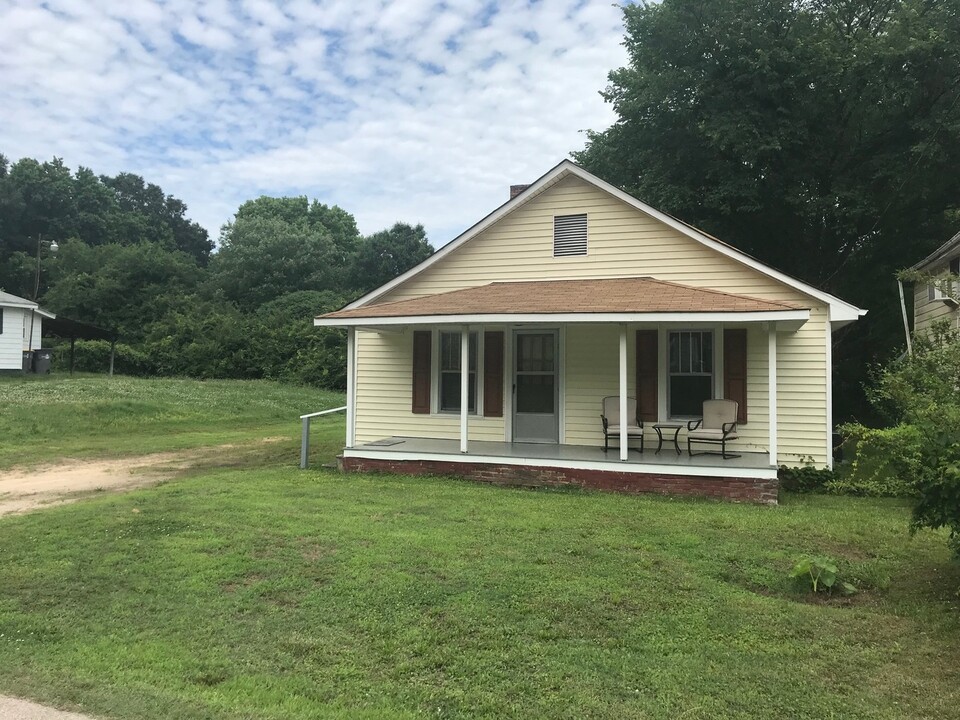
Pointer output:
x,y
807,479
920,454
885,461
94,356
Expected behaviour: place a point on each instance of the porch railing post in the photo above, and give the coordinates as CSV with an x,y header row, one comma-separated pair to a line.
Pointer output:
x,y
464,385
623,392
304,443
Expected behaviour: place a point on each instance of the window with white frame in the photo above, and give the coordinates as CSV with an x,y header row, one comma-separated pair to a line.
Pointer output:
x,y
449,370
690,372
946,289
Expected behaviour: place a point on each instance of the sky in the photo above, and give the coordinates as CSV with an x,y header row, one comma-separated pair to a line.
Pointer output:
x,y
420,111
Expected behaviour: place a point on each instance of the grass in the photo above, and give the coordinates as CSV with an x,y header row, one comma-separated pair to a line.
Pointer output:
x,y
267,592
53,417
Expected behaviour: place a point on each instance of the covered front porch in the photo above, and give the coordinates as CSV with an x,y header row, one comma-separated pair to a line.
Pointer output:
x,y
510,380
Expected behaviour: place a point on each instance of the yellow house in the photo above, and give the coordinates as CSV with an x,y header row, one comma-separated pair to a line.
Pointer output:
x,y
931,303
572,292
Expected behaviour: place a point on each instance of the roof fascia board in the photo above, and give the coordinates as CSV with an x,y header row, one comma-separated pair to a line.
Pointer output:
x,y
501,318
939,254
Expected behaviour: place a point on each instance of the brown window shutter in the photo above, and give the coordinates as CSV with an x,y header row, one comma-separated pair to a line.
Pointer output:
x,y
421,371
648,378
493,373
735,369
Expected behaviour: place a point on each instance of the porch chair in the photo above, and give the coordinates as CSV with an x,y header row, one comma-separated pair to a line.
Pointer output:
x,y
610,417
718,426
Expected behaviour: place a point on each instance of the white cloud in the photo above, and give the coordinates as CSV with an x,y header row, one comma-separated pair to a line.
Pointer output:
x,y
421,110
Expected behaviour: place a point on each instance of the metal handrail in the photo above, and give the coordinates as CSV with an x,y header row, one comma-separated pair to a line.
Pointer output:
x,y
305,433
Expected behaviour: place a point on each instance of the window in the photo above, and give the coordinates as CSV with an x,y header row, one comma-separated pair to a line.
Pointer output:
x,y
450,372
691,372
569,235
1,321
945,291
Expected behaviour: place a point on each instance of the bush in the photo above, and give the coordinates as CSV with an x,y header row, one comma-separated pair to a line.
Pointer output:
x,y
94,356
807,479
885,461
920,454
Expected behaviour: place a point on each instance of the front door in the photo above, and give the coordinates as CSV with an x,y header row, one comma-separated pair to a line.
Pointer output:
x,y
536,392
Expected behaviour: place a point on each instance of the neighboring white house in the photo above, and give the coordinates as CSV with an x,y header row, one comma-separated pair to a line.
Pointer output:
x,y
21,327
570,292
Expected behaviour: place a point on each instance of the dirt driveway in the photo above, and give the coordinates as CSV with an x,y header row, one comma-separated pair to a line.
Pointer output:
x,y
16,709
25,489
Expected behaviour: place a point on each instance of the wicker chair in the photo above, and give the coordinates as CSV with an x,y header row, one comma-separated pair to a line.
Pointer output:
x,y
718,426
610,417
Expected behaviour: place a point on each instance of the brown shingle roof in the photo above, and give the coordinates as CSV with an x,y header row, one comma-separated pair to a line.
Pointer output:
x,y
612,295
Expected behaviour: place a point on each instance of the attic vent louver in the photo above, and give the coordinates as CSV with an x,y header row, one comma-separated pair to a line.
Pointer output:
x,y
569,235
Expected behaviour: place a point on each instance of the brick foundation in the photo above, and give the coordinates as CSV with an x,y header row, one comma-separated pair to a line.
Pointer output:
x,y
723,488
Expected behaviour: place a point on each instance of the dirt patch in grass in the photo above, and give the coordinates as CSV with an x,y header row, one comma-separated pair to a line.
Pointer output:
x,y
26,489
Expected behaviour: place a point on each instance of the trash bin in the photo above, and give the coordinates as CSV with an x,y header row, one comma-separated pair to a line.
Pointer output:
x,y
27,361
41,361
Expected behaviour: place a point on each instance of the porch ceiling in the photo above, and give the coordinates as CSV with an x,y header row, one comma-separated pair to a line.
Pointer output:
x,y
602,300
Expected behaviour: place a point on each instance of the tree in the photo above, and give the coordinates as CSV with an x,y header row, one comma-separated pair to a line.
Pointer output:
x,y
816,135
388,254
261,259
123,287
146,214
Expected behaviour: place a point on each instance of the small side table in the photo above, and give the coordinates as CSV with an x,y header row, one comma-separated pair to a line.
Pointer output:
x,y
676,427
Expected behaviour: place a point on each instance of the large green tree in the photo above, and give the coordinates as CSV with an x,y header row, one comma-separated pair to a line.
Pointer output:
x,y
276,246
387,254
821,136
122,287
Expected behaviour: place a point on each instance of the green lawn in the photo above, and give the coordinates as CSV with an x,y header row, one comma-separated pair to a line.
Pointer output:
x,y
267,592
53,417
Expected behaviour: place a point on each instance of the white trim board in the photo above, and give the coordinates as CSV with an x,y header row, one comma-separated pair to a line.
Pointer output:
x,y
840,310
788,316
618,467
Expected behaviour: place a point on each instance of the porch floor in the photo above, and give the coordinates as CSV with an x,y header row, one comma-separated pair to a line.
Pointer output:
x,y
755,465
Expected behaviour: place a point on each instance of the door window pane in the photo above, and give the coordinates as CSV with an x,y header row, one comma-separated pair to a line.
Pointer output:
x,y
535,394
535,353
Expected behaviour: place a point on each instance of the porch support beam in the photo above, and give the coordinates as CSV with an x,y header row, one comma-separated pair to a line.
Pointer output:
x,y
623,392
351,385
772,392
464,385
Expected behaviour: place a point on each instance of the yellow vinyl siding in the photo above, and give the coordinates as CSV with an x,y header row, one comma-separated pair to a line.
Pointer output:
x,y
622,242
385,395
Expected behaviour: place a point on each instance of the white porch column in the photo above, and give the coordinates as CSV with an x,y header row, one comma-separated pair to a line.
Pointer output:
x,y
464,384
772,392
623,392
351,385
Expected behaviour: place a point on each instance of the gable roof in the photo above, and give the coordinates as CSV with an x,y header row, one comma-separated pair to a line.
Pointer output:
x,y
633,299
840,310
941,253
8,300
